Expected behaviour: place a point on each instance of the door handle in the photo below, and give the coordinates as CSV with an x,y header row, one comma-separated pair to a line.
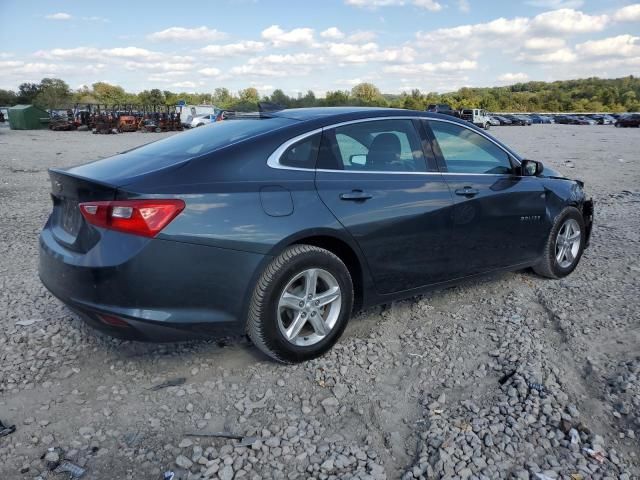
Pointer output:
x,y
356,196
467,192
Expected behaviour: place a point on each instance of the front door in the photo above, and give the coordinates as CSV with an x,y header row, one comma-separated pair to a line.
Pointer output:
x,y
499,216
375,178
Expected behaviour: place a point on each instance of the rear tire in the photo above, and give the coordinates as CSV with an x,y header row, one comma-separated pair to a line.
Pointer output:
x,y
284,320
555,262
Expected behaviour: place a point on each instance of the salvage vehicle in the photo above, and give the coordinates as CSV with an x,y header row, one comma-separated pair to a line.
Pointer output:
x,y
204,119
442,108
503,120
477,116
521,120
631,120
282,224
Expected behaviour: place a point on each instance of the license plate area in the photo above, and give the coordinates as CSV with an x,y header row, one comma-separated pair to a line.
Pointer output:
x,y
71,217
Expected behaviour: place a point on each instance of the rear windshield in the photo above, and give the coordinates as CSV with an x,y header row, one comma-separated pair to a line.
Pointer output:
x,y
209,138
119,169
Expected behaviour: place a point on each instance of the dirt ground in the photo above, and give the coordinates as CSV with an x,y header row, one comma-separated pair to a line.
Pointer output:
x,y
489,379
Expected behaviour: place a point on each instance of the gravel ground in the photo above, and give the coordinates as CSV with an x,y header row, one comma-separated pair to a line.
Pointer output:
x,y
510,377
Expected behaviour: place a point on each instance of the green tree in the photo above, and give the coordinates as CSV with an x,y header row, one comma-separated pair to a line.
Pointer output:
x,y
151,97
336,98
223,98
367,94
53,93
27,92
280,98
108,94
8,97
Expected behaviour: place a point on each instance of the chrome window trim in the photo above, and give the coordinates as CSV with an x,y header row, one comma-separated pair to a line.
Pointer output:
x,y
274,159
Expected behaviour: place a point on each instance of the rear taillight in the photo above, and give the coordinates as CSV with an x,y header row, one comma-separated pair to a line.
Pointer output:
x,y
138,217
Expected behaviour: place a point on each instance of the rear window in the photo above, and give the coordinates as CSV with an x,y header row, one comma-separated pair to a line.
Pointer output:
x,y
209,138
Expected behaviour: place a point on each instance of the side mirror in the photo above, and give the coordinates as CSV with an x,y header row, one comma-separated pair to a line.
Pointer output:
x,y
358,159
531,168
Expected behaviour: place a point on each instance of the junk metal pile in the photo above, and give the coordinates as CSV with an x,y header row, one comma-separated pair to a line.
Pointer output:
x,y
108,119
510,377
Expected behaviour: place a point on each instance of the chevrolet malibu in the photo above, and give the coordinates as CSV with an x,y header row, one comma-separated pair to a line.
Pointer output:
x,y
282,224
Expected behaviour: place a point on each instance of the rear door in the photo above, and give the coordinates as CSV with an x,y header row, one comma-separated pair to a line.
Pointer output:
x,y
376,179
499,216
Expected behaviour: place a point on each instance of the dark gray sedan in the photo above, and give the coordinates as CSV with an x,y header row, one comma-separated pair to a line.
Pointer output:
x,y
280,225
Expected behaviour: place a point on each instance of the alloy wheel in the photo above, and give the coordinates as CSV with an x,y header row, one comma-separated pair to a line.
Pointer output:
x,y
568,243
309,307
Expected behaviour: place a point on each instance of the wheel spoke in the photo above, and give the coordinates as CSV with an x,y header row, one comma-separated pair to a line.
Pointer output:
x,y
569,255
327,297
291,301
311,282
574,236
560,254
295,327
317,322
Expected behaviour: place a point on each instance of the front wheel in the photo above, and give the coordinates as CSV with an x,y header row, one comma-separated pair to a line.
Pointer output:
x,y
487,126
564,246
301,304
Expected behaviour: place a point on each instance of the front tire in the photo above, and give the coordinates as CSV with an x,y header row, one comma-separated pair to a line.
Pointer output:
x,y
564,246
301,304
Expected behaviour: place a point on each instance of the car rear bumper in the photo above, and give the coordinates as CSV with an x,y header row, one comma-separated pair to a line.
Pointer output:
x,y
156,290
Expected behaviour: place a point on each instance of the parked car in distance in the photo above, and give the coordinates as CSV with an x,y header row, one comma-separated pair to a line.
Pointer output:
x,y
564,120
189,112
493,120
630,120
603,119
503,120
518,120
584,120
539,119
201,120
281,225
477,116
442,108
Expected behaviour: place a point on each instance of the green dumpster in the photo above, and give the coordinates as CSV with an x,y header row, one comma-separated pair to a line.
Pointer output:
x,y
27,117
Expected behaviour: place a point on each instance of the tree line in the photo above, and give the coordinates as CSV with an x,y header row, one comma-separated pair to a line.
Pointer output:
x,y
583,95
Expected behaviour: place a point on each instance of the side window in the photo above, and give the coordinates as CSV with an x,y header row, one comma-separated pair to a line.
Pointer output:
x,y
302,154
379,146
465,151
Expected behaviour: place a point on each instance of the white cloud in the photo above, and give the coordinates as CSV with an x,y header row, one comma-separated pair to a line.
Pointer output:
x,y
564,55
332,33
544,43
185,84
58,16
159,66
620,46
464,6
630,13
233,49
269,71
278,37
368,52
567,20
513,77
361,36
431,5
210,71
441,67
289,59
554,4
187,34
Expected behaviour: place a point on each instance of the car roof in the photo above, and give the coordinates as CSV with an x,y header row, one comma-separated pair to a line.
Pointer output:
x,y
329,115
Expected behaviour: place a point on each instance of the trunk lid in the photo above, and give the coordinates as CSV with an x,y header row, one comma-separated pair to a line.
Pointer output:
x,y
67,223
